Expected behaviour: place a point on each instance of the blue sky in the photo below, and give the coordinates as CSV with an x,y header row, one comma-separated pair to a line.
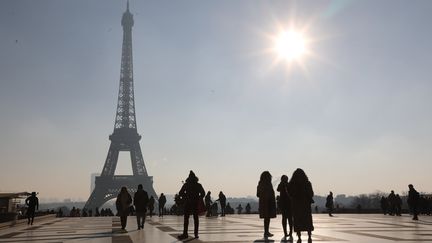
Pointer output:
x,y
209,98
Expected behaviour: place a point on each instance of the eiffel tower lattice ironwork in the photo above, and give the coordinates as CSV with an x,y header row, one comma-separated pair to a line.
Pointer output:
x,y
125,136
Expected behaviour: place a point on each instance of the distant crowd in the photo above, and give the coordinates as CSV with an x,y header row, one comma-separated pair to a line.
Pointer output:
x,y
418,204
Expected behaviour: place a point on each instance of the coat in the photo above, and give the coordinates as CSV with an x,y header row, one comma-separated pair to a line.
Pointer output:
x,y
123,204
141,200
162,201
267,201
329,202
191,193
284,199
413,198
32,202
301,199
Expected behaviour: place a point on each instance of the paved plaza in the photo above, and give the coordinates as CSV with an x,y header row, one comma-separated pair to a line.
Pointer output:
x,y
233,228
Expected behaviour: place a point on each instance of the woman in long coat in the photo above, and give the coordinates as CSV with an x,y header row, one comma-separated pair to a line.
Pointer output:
x,y
123,203
301,193
267,202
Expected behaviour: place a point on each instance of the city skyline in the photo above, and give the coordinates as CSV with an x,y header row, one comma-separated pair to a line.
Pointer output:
x,y
210,98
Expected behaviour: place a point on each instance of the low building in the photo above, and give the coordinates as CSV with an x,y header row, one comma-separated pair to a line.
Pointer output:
x,y
9,205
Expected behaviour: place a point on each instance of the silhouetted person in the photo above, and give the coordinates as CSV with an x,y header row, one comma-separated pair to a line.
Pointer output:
x,y
398,206
239,209
214,209
179,204
248,208
72,213
359,208
32,203
384,205
97,213
140,202
278,204
301,193
222,201
428,205
392,203
330,204
285,205
123,203
413,201
191,192
151,205
90,212
208,204
162,201
229,209
267,202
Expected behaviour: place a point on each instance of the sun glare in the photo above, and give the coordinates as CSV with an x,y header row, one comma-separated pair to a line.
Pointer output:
x,y
290,45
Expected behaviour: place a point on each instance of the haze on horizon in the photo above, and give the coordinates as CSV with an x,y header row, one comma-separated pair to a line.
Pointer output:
x,y
356,117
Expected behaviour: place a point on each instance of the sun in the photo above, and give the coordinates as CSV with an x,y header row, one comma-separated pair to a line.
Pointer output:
x,y
290,45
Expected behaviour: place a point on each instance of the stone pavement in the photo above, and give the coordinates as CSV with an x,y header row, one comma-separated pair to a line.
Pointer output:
x,y
233,228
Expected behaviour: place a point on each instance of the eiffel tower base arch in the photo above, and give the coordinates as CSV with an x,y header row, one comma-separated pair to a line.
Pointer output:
x,y
108,187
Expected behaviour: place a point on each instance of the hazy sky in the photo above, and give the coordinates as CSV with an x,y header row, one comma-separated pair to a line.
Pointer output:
x,y
209,98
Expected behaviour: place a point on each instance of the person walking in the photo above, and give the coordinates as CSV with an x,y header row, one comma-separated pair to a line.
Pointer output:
x,y
222,201
301,193
123,203
162,201
192,193
151,205
32,203
140,202
285,206
330,204
413,201
266,201
208,204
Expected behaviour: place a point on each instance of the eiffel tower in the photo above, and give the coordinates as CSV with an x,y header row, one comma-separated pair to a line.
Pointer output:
x,y
125,136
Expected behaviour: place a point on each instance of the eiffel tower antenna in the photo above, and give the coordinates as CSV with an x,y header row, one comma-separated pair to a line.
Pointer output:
x,y
125,136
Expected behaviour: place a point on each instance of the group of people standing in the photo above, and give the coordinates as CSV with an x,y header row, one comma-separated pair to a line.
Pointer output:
x,y
295,199
294,202
211,207
392,205
191,193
